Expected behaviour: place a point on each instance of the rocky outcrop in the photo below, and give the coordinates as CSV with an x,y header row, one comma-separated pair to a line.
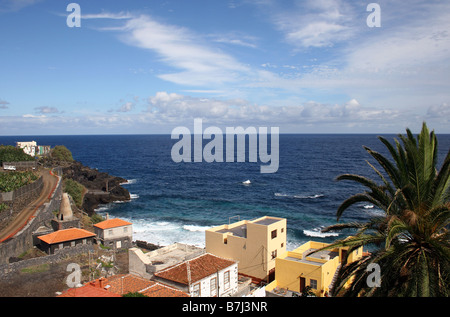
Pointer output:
x,y
101,187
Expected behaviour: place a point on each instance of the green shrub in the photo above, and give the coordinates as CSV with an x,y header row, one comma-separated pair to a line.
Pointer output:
x,y
61,153
9,153
14,180
96,218
75,190
134,294
3,207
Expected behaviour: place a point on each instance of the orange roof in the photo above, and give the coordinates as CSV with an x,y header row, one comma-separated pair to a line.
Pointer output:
x,y
126,283
88,290
112,223
159,290
200,267
66,235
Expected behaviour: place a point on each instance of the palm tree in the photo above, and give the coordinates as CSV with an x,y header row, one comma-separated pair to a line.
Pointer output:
x,y
411,239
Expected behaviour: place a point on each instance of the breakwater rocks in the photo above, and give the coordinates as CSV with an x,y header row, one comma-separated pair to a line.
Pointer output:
x,y
101,188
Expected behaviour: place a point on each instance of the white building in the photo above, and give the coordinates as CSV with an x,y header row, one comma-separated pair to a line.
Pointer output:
x,y
28,147
115,233
204,276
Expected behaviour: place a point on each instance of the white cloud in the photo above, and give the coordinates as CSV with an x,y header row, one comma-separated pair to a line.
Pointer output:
x,y
126,107
316,23
183,50
439,112
4,104
16,5
108,15
44,110
174,107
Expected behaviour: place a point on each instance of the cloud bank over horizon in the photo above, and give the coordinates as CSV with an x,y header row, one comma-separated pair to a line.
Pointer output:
x,y
305,66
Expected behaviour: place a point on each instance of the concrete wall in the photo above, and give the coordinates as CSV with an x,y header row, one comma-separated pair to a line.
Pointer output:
x,y
253,252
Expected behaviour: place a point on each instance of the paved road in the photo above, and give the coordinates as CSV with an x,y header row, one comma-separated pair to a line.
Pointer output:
x,y
49,184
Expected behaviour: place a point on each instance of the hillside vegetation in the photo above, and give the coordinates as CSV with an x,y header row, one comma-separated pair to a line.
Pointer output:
x,y
14,180
9,153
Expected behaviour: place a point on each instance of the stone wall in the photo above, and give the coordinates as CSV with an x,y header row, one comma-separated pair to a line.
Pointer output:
x,y
19,199
61,255
23,240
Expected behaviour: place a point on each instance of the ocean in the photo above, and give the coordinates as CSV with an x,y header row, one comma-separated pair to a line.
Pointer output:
x,y
176,202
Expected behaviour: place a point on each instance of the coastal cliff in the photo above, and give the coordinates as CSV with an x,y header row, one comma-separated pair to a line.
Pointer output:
x,y
101,188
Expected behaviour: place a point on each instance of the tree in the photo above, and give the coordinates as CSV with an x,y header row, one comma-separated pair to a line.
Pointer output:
x,y
411,239
61,153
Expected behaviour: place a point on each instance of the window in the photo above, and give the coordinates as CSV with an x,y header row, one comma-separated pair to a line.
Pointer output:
x,y
72,243
274,234
274,254
282,244
110,232
125,229
225,241
196,290
226,280
282,230
313,284
213,287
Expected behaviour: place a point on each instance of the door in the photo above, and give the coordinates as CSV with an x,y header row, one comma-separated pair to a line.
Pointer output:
x,y
302,284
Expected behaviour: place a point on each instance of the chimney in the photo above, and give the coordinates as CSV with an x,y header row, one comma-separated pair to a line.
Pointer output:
x,y
101,282
107,216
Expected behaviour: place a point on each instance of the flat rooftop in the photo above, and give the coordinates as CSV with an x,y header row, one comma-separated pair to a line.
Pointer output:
x,y
241,231
267,221
318,255
172,255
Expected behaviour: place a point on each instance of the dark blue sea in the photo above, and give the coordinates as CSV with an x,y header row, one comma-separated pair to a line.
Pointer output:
x,y
176,202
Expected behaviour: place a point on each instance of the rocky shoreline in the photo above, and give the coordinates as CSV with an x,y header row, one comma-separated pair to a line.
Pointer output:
x,y
101,188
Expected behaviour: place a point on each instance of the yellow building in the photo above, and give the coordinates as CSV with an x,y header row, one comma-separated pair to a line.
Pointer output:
x,y
254,243
294,270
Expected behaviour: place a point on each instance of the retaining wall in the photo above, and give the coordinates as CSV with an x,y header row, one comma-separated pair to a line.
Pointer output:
x,y
61,255
23,240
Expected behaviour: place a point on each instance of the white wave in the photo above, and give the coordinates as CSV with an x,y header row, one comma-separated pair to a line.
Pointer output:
x,y
129,182
134,196
299,196
318,234
247,182
308,197
165,233
368,206
194,228
101,208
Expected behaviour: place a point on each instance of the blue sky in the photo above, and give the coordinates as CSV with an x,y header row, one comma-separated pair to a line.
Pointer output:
x,y
311,66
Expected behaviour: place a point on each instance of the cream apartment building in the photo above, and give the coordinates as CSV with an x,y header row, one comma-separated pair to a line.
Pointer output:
x,y
253,243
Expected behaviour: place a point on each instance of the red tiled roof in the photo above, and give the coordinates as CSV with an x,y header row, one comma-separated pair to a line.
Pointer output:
x,y
66,235
199,267
88,290
159,290
112,223
126,283
130,283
